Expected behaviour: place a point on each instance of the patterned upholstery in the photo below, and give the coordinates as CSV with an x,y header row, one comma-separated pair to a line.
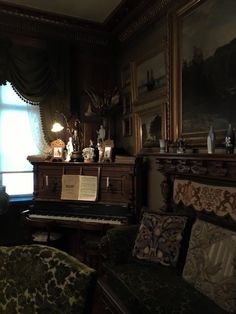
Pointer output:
x,y
146,288
159,238
39,279
211,263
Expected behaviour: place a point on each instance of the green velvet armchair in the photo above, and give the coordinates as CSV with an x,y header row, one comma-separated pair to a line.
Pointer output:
x,y
41,279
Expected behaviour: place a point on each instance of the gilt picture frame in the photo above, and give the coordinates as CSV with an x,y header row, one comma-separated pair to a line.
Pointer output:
x,y
150,128
127,102
126,76
127,126
150,76
202,91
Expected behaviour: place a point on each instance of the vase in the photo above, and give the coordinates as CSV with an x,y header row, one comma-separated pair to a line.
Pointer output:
x,y
211,141
230,140
89,160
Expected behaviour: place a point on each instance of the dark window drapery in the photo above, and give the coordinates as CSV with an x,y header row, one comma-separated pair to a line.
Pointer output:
x,y
40,76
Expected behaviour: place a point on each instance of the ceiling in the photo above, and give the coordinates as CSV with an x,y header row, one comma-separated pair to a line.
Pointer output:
x,y
91,10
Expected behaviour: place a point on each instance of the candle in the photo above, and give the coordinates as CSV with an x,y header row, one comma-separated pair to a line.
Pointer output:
x,y
46,180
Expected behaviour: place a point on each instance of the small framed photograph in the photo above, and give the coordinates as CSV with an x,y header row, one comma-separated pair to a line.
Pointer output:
x,y
107,152
57,152
108,146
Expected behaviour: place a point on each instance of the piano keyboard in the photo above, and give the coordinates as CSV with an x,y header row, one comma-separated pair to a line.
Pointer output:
x,y
110,221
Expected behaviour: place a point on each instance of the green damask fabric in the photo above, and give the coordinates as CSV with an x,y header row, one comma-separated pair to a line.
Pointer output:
x,y
211,263
121,242
38,279
148,288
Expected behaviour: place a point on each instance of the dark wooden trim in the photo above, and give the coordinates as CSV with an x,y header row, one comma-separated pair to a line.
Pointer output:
x,y
19,20
129,18
209,169
145,14
110,301
218,167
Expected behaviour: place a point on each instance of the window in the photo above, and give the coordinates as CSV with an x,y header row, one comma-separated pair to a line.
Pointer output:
x,y
16,142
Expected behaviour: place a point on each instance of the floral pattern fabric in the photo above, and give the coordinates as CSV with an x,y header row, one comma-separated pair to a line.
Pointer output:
x,y
38,279
220,200
159,238
211,263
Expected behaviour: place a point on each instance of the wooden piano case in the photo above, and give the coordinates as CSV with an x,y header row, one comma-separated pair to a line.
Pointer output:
x,y
120,186
118,183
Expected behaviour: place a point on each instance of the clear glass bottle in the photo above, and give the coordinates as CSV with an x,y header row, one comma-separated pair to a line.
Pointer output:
x,y
211,141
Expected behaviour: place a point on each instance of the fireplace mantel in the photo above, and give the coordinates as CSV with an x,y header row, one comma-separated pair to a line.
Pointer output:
x,y
209,169
216,167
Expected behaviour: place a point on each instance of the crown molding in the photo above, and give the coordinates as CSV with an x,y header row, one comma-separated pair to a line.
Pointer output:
x,y
34,23
142,17
129,18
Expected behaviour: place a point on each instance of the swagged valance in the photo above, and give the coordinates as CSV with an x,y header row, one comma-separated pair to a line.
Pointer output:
x,y
40,76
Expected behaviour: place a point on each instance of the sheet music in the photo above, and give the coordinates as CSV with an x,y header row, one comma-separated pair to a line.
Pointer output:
x,y
88,188
79,187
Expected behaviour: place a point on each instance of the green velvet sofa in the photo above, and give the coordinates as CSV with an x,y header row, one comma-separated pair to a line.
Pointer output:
x,y
38,279
137,286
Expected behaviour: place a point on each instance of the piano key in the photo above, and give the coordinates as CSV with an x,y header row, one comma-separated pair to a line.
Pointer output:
x,y
76,219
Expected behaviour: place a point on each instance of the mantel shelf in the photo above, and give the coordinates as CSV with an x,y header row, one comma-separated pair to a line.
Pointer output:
x,y
220,167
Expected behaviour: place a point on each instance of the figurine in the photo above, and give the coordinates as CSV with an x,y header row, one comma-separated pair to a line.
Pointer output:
x,y
77,136
101,134
180,145
100,152
229,140
69,148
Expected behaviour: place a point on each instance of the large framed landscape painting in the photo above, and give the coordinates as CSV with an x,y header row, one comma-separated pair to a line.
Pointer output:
x,y
203,87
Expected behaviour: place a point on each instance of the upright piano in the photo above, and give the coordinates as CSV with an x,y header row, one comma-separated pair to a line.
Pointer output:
x,y
121,194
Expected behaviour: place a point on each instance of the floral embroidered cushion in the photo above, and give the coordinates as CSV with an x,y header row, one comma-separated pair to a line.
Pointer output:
x,y
211,263
159,238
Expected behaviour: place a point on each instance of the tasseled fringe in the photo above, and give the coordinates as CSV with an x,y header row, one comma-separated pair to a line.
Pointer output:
x,y
31,102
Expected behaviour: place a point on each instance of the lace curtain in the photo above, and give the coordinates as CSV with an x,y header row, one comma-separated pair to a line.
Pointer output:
x,y
36,127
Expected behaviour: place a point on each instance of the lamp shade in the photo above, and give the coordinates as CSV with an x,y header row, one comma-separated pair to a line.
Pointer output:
x,y
57,127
